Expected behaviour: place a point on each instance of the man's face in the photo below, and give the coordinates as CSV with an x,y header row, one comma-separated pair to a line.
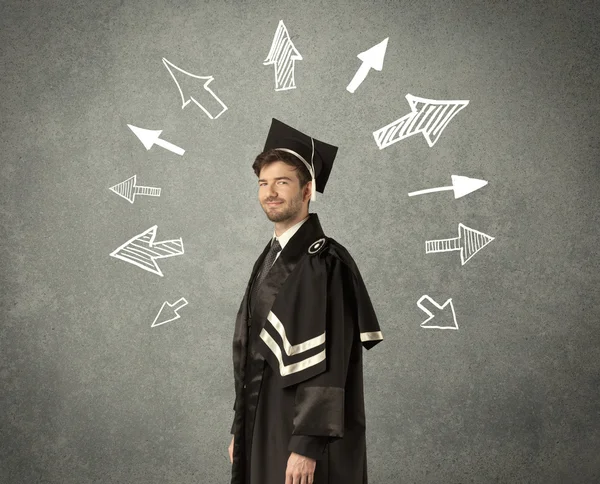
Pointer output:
x,y
279,183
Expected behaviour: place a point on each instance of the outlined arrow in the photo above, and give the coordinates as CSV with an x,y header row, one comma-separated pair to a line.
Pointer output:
x,y
216,105
441,313
128,189
165,314
371,59
284,55
142,251
461,185
150,137
427,116
469,242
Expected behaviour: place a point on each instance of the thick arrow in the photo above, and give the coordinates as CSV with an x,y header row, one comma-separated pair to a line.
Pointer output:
x,y
142,251
216,105
283,54
128,189
440,312
150,137
461,185
371,59
165,314
427,116
469,242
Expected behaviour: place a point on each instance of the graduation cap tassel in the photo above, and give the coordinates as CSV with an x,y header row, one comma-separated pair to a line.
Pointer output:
x,y
313,187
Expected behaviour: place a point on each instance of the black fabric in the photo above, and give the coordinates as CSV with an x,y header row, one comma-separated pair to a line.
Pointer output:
x,y
272,420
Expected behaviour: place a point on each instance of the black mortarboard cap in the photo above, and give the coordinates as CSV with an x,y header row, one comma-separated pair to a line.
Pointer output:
x,y
311,151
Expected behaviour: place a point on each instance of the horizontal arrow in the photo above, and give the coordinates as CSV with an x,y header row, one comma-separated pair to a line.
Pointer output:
x,y
128,189
461,185
468,242
142,251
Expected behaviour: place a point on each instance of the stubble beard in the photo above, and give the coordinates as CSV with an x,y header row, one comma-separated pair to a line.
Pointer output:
x,y
281,213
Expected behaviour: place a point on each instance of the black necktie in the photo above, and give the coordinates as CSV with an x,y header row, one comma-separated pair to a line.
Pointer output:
x,y
264,269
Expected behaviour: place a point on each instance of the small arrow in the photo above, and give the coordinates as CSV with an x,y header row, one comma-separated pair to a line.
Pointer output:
x,y
165,314
217,105
142,251
284,55
461,185
128,189
469,242
440,312
372,59
150,137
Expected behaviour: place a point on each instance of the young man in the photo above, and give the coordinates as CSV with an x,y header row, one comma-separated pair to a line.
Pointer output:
x,y
297,346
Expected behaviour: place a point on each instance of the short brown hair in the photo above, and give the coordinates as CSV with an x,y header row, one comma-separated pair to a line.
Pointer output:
x,y
271,156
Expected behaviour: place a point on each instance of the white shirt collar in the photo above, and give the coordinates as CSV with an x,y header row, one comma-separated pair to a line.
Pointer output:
x,y
287,235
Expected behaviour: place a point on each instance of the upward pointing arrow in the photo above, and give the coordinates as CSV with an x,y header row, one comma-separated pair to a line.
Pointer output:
x,y
372,59
284,55
150,137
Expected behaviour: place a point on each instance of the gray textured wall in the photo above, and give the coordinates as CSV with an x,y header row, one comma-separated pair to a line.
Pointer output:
x,y
91,393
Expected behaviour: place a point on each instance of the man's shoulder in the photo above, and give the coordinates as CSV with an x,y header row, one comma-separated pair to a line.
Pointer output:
x,y
327,248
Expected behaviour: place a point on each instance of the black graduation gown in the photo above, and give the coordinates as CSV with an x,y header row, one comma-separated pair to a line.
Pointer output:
x,y
298,364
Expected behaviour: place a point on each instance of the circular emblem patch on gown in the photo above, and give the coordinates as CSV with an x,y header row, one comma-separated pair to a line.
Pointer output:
x,y
317,246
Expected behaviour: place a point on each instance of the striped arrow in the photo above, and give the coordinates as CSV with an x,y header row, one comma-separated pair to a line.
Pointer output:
x,y
128,189
284,55
142,251
469,242
427,116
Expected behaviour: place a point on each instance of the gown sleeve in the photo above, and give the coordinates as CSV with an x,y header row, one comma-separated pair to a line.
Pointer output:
x,y
319,401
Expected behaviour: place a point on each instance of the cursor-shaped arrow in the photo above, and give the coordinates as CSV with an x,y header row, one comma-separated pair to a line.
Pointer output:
x,y
442,313
371,59
461,185
128,189
427,116
212,104
284,55
469,242
165,314
142,251
150,137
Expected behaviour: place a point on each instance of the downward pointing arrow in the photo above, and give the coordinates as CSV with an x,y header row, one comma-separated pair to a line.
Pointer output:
x,y
461,185
167,310
372,59
150,137
442,313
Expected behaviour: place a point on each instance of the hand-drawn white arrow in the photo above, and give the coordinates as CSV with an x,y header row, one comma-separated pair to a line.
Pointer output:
x,y
169,311
217,105
284,55
461,185
372,59
128,189
150,137
427,116
469,242
441,312
142,251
